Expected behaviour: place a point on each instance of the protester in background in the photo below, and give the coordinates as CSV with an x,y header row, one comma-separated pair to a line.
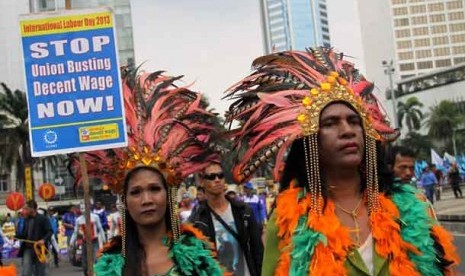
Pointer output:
x,y
186,207
253,201
52,216
115,225
401,161
68,221
231,194
440,179
97,236
454,180
429,182
229,225
37,229
99,210
200,197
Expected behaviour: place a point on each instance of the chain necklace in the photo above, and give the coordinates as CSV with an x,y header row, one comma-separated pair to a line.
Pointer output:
x,y
354,215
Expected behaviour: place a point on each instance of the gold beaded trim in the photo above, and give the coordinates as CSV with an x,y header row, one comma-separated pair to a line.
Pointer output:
x,y
334,89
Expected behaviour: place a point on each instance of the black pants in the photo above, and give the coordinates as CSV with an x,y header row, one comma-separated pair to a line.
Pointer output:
x,y
457,190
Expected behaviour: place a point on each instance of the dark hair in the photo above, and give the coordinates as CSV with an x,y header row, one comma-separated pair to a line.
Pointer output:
x,y
135,254
200,189
32,204
398,150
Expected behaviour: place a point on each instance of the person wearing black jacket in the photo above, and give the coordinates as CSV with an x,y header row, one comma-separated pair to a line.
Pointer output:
x,y
37,228
230,225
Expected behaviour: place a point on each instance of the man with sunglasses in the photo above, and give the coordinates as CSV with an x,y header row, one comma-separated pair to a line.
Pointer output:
x,y
230,225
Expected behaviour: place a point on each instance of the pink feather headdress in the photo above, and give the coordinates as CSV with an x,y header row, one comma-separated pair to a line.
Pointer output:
x,y
282,99
169,128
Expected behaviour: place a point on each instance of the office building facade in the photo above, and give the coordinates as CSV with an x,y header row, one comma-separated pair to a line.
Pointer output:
x,y
294,24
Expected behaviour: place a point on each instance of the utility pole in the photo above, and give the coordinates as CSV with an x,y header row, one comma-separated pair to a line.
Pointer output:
x,y
389,70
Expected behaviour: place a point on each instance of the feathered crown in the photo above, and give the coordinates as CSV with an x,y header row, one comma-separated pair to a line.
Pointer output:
x,y
282,99
169,129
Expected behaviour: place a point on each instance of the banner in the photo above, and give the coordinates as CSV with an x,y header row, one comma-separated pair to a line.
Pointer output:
x,y
436,159
73,82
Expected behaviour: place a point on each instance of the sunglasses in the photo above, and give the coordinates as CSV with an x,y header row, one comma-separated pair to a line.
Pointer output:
x,y
213,176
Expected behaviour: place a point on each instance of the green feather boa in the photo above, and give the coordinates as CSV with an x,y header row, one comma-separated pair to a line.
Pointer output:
x,y
190,255
415,229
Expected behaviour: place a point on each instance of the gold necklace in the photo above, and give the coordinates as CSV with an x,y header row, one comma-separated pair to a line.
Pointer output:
x,y
354,215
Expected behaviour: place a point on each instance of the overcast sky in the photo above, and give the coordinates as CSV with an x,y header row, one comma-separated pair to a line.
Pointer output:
x,y
213,42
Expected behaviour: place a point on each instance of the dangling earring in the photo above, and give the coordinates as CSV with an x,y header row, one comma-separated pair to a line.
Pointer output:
x,y
122,209
313,172
371,174
173,208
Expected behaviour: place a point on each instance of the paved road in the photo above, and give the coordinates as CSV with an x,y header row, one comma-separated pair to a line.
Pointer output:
x,y
65,269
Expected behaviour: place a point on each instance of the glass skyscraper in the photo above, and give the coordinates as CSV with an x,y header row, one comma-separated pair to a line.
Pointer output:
x,y
294,24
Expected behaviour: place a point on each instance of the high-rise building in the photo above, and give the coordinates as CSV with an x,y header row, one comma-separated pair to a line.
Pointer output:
x,y
428,35
294,24
410,40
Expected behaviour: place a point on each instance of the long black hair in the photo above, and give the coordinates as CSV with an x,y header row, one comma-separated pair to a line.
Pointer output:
x,y
135,253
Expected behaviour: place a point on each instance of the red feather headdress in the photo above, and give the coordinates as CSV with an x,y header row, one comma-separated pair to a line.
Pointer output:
x,y
169,128
282,99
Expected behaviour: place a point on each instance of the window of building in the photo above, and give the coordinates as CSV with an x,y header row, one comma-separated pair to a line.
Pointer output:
x,y
459,60
399,22
400,11
423,42
440,52
453,5
418,20
324,21
440,40
436,7
437,18
456,16
439,29
397,2
403,33
458,50
325,37
418,9
405,55
407,66
404,44
4,183
420,31
424,65
443,63
457,27
423,53
325,29
457,38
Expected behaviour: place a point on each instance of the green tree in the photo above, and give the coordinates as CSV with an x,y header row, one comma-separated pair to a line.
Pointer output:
x,y
443,119
420,144
14,133
410,112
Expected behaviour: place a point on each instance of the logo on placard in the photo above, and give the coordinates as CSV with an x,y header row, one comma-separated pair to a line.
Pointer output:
x,y
50,137
84,134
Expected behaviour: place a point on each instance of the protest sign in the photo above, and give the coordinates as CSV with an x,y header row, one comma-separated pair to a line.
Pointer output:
x,y
73,82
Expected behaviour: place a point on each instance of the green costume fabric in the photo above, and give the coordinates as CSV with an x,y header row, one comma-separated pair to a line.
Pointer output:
x,y
191,256
415,226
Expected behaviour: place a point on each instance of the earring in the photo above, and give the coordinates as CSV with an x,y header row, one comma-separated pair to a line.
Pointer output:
x,y
313,172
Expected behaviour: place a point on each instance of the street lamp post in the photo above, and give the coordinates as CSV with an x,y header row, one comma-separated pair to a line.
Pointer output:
x,y
389,70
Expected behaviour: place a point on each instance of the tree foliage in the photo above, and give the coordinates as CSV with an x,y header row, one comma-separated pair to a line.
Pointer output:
x,y
410,112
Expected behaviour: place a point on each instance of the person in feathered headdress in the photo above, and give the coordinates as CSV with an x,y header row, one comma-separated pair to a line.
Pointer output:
x,y
169,133
338,211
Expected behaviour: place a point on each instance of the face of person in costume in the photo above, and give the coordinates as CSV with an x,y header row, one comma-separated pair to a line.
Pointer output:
x,y
404,167
340,136
146,197
213,179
